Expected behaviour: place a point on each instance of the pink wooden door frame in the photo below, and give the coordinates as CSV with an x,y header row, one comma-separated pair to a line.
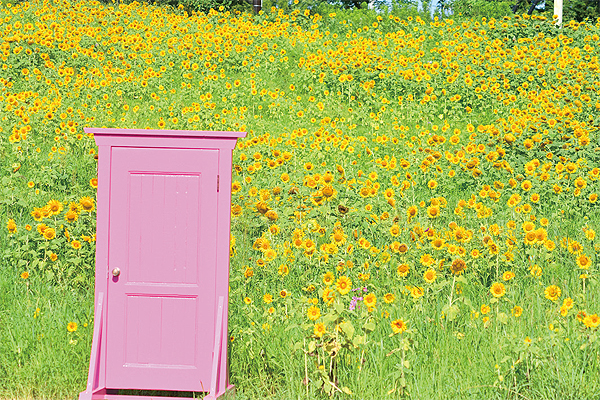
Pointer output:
x,y
107,140
162,306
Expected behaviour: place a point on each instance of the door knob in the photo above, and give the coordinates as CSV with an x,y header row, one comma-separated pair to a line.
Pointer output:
x,y
116,272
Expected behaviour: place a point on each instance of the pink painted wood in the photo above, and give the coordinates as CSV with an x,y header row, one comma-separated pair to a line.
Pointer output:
x,y
162,262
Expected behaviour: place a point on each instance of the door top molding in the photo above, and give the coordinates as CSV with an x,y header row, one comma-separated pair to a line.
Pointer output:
x,y
164,133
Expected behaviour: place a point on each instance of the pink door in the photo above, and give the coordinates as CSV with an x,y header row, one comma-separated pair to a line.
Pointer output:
x,y
162,238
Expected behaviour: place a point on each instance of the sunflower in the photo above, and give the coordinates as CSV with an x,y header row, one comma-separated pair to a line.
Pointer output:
x,y
267,298
37,214
395,230
433,211
370,300
438,243
526,185
591,321
271,215
71,216
338,236
389,298
416,292
398,326
411,212
328,278
55,207
283,270
528,226
402,248
403,270
72,326
11,226
430,275
458,266
262,207
508,275
590,234
328,191
530,238
549,245
49,233
552,292
462,235
580,183
87,203
584,262
427,260
535,198
270,254
364,192
319,330
313,313
497,290
328,296
343,285
517,311
568,303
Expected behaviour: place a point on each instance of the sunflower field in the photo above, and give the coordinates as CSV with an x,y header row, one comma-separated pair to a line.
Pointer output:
x,y
414,208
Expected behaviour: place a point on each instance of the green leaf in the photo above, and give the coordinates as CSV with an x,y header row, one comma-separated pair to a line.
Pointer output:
x,y
49,276
402,381
502,317
358,340
451,311
338,307
304,326
347,328
346,390
329,317
369,326
312,345
466,302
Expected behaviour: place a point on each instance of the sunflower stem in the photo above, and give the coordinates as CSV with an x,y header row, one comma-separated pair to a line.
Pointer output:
x,y
452,290
305,368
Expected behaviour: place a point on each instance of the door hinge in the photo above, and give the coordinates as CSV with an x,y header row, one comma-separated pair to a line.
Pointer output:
x,y
217,183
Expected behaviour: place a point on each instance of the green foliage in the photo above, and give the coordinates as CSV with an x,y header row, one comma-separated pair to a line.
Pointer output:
x,y
581,10
481,8
190,6
204,6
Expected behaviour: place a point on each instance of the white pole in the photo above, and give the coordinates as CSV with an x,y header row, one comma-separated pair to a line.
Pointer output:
x,y
558,10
